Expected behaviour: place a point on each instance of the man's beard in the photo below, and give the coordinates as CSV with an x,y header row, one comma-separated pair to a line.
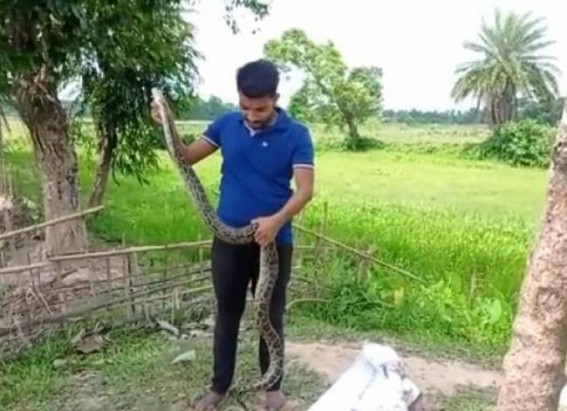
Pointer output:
x,y
260,125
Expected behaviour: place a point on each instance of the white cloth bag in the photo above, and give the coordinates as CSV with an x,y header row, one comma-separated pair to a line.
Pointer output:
x,y
375,381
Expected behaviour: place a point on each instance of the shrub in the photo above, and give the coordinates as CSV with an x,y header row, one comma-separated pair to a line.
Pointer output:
x,y
521,143
339,143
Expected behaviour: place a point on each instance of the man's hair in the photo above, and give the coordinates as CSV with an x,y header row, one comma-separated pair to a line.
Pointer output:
x,y
257,79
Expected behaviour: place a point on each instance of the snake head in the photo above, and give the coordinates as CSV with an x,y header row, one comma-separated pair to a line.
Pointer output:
x,y
157,94
159,99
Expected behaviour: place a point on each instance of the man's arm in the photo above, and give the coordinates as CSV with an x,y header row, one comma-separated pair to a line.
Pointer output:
x,y
196,150
269,226
304,181
303,162
304,177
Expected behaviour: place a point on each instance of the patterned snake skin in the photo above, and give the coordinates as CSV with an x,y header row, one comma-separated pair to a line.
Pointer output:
x,y
268,255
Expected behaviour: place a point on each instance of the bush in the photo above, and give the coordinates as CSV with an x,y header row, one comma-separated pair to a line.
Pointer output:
x,y
340,143
521,143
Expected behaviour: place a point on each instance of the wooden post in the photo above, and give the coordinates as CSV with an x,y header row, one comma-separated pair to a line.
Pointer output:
x,y
364,265
165,277
91,272
125,279
320,259
8,226
133,272
108,274
61,295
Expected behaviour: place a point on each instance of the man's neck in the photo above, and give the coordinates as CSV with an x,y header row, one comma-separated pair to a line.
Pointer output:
x,y
273,119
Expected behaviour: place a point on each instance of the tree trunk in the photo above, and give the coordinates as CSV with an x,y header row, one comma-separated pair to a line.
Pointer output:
x,y
534,365
491,112
353,134
352,130
108,140
508,103
501,108
37,103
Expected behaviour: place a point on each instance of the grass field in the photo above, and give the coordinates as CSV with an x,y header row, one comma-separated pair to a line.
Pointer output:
x,y
464,226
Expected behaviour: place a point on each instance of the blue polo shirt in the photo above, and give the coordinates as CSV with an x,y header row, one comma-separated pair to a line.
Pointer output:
x,y
257,167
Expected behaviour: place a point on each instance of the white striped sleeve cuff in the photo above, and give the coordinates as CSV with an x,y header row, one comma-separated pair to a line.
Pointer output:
x,y
210,141
306,166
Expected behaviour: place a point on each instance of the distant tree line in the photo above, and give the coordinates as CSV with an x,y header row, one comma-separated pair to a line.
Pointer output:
x,y
417,117
208,109
542,112
197,109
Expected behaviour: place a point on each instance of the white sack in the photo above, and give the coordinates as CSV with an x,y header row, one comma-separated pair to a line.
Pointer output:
x,y
374,382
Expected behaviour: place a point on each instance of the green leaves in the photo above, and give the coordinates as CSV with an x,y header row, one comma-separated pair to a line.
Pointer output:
x,y
117,50
509,66
137,45
522,143
330,92
258,8
132,47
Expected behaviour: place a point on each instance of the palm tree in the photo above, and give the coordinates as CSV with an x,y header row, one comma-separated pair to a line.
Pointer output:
x,y
510,66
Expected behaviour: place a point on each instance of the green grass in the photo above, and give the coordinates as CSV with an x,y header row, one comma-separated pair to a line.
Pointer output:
x,y
470,400
133,372
386,132
464,226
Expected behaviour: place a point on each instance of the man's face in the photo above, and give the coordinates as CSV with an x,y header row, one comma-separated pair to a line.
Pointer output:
x,y
257,112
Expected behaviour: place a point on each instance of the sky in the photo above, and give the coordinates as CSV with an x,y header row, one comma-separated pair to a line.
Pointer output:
x,y
417,43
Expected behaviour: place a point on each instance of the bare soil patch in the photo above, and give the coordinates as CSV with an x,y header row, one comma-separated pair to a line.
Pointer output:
x,y
435,377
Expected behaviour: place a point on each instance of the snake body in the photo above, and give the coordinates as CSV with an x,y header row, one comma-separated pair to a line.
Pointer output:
x,y
242,235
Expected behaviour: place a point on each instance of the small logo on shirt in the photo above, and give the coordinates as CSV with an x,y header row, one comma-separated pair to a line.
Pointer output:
x,y
264,144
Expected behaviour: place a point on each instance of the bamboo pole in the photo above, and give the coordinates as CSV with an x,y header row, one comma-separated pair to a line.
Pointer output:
x,y
361,254
61,295
144,287
125,269
108,268
8,227
320,250
110,281
100,254
165,275
22,268
51,222
133,271
130,250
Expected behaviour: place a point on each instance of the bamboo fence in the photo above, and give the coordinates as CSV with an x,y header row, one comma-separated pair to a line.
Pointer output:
x,y
129,283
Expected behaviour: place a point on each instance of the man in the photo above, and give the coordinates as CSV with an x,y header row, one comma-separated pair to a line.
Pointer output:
x,y
263,149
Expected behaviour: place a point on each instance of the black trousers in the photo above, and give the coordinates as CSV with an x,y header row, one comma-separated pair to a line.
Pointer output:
x,y
234,269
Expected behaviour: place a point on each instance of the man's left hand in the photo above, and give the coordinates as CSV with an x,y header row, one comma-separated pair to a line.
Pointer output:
x,y
266,229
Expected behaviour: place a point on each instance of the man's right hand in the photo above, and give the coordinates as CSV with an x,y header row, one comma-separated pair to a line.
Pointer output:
x,y
155,110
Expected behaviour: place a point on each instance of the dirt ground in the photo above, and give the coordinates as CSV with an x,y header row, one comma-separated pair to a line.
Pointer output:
x,y
434,377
